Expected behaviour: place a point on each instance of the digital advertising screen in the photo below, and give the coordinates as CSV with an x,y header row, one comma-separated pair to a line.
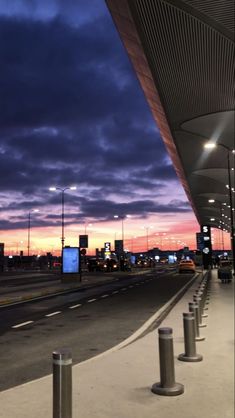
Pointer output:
x,y
71,260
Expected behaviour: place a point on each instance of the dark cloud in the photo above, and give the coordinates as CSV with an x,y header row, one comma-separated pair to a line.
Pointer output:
x,y
72,112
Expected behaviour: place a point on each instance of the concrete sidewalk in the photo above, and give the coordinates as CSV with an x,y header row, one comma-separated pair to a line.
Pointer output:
x,y
117,384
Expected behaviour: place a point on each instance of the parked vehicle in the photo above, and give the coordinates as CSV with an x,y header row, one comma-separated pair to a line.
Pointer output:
x,y
187,266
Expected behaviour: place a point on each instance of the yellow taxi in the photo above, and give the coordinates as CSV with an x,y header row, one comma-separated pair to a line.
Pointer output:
x,y
187,266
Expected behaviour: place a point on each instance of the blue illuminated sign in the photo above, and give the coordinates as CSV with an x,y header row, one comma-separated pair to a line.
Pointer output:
x,y
71,260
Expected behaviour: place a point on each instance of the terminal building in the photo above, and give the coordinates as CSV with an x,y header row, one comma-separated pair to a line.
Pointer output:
x,y
183,54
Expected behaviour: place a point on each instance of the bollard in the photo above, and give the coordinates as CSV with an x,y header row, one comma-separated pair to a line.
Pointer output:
x,y
189,339
62,383
193,307
167,386
198,300
202,294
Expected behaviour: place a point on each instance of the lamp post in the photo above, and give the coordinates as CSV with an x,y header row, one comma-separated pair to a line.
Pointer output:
x,y
62,190
29,226
122,217
229,186
86,226
147,235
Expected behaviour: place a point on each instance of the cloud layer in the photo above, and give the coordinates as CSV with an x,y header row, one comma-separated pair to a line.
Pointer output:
x,y
72,113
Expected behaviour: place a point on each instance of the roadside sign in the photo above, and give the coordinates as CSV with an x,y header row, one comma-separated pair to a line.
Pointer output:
x,y
71,260
83,241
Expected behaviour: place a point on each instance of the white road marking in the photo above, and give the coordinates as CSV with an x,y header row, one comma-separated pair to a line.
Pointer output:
x,y
53,313
91,300
22,324
104,296
124,288
131,286
115,291
75,306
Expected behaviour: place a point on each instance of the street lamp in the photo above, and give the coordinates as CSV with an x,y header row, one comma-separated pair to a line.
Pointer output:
x,y
62,190
212,145
147,234
29,226
122,217
86,226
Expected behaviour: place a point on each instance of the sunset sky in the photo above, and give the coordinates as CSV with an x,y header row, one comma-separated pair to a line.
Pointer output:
x,y
73,113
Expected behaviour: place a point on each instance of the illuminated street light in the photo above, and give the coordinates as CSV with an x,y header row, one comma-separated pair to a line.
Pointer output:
x,y
212,145
86,226
53,189
122,217
29,226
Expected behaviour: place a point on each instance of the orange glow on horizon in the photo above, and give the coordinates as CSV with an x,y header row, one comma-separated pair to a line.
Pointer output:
x,y
167,233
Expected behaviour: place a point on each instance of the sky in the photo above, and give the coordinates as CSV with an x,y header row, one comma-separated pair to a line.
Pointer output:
x,y
72,113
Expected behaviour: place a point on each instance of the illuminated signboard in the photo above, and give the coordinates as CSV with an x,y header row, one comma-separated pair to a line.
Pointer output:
x,y
71,260
107,249
207,247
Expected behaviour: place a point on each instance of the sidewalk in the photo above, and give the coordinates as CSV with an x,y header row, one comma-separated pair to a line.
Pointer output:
x,y
117,384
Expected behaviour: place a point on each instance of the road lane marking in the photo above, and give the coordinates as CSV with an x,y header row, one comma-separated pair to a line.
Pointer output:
x,y
91,300
115,291
53,313
22,324
124,288
75,306
131,286
104,296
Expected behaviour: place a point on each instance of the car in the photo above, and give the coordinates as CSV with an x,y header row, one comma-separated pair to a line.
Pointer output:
x,y
225,271
186,266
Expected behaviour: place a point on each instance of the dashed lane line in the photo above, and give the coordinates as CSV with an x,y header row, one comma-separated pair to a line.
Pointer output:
x,y
53,313
22,324
75,306
91,300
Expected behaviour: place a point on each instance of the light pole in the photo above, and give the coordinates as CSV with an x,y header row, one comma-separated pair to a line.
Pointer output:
x,y
229,186
62,190
86,226
29,226
147,235
122,217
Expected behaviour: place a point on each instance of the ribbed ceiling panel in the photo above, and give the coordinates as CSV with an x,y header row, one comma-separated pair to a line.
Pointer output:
x,y
192,63
222,11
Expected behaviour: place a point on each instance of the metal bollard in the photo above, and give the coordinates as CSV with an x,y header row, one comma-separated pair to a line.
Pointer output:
x,y
202,294
189,339
198,300
193,307
62,383
167,386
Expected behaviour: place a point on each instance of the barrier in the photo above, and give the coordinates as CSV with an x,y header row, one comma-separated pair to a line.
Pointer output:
x,y
194,308
62,383
189,339
167,385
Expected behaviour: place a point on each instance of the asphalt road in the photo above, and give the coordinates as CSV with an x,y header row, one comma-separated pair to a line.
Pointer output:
x,y
88,321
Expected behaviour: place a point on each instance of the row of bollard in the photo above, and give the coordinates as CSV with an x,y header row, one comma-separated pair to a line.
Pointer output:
x,y
192,322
